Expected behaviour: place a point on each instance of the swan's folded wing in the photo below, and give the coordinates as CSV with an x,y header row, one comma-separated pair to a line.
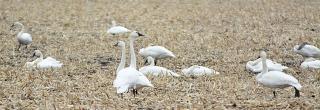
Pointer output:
x,y
49,62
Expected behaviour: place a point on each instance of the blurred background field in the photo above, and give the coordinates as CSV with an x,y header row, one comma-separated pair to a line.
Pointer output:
x,y
220,34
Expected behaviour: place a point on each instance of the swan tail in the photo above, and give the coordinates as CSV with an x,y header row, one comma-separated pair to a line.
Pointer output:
x,y
297,92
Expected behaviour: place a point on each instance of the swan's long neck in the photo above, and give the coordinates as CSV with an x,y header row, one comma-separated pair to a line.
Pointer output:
x,y
132,54
123,58
264,65
22,29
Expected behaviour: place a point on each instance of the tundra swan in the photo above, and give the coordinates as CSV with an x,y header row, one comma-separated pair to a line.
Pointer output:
x,y
41,63
117,29
23,37
310,63
276,79
307,50
156,52
122,45
196,70
256,66
156,70
130,78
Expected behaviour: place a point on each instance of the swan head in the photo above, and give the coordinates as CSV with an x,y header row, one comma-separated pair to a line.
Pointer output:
x,y
150,59
37,53
135,34
120,44
263,54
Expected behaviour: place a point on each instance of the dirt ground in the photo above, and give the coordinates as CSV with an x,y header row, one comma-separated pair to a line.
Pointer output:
x,y
220,34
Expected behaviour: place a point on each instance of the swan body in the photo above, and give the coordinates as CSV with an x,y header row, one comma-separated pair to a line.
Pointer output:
x,y
276,79
41,63
117,29
156,52
307,50
196,70
310,63
22,37
256,66
130,78
156,70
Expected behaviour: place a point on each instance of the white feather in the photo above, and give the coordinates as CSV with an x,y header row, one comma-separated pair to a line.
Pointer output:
x,y
310,63
307,51
196,70
256,66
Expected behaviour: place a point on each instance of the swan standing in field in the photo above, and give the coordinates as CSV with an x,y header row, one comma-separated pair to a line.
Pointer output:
x,y
23,37
307,50
196,70
156,52
256,65
117,29
310,63
122,45
41,63
156,70
276,79
130,78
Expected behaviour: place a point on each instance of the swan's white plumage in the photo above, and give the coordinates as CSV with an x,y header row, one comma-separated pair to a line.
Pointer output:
x,y
156,70
117,29
41,63
256,65
130,78
276,79
156,52
307,50
196,70
23,37
310,63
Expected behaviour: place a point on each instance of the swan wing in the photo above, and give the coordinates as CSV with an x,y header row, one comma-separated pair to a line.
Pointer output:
x,y
310,64
156,52
277,79
117,30
25,38
49,62
156,70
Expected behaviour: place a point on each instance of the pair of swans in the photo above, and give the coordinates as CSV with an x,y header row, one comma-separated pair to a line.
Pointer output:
x,y
309,52
41,63
23,37
156,52
130,78
196,70
256,65
276,79
114,30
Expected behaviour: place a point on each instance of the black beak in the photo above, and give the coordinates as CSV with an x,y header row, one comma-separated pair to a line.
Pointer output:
x,y
139,34
34,54
302,45
11,27
115,44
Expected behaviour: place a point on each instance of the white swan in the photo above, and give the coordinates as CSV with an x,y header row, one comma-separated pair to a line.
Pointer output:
x,y
41,63
276,79
156,70
256,66
23,37
117,29
130,78
196,70
122,45
156,52
310,63
307,50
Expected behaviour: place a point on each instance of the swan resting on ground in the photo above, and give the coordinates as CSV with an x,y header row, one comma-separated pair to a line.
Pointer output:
x,y
256,65
156,52
130,78
310,63
41,63
196,70
307,50
156,70
276,79
117,29
23,37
